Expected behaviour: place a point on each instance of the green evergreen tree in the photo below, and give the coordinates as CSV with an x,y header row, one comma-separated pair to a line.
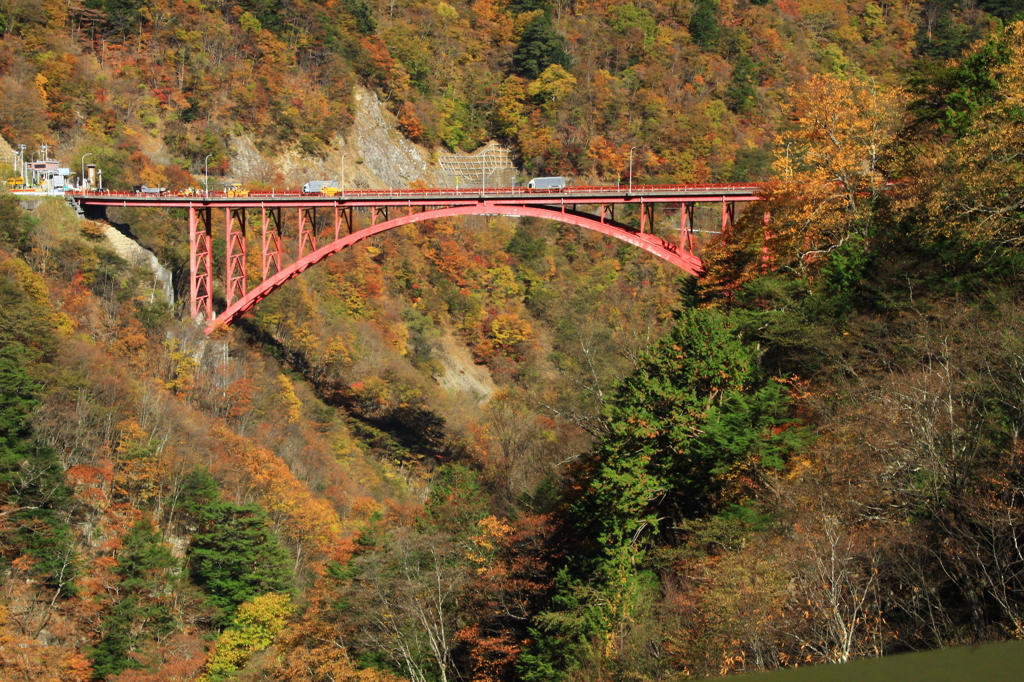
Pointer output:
x,y
270,13
741,96
145,567
704,23
235,556
952,96
362,15
123,15
696,407
456,502
539,47
522,6
31,480
1007,10
696,411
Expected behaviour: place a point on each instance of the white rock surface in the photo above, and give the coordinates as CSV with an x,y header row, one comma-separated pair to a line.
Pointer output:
x,y
461,374
134,253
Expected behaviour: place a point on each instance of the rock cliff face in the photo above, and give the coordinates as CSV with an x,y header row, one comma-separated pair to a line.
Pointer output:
x,y
374,153
6,151
375,156
135,253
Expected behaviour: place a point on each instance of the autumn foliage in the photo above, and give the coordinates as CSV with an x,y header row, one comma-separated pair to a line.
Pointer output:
x,y
498,449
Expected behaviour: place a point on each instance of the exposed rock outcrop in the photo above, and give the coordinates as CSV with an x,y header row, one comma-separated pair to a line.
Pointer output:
x,y
460,374
134,253
375,156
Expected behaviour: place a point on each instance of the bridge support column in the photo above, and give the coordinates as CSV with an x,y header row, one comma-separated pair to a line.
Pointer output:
x,y
342,216
234,225
200,258
686,226
307,231
271,241
646,217
728,216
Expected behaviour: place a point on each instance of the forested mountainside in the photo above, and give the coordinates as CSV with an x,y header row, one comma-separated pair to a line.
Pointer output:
x,y
498,449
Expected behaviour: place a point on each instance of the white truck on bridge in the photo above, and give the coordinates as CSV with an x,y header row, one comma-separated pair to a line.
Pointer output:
x,y
557,182
329,187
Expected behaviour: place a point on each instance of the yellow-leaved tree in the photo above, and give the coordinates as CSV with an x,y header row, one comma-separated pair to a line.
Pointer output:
x,y
256,624
830,165
973,186
830,168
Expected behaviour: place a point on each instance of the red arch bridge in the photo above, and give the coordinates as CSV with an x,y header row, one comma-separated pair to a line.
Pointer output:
x,y
326,225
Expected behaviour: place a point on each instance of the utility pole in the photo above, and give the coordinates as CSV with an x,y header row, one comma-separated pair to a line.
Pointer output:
x,y
81,182
631,169
207,175
343,173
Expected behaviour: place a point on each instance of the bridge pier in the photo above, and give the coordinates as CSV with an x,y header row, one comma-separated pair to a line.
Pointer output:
x,y
307,230
343,215
271,241
728,216
686,225
237,253
200,246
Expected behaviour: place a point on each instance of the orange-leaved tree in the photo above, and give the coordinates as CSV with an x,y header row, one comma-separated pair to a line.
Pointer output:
x,y
832,165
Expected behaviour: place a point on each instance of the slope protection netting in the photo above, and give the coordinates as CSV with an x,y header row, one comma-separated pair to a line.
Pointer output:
x,y
489,166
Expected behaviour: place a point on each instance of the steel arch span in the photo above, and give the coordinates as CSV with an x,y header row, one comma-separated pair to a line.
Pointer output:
x,y
667,251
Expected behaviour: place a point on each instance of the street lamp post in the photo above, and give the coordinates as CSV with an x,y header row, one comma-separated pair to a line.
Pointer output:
x,y
206,174
631,169
82,181
343,173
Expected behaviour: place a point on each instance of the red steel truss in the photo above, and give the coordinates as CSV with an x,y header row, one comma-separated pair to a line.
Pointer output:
x,y
314,241
200,248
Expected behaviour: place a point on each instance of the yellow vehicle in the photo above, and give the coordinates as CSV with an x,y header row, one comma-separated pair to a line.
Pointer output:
x,y
330,191
235,189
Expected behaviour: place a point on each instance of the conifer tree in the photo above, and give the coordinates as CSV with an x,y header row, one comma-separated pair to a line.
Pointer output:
x,y
31,480
539,47
235,556
704,23
144,566
695,414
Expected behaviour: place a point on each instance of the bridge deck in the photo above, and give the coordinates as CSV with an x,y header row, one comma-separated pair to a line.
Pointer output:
x,y
315,239
430,197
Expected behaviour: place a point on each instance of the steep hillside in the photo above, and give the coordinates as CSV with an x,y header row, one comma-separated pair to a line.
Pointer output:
x,y
497,449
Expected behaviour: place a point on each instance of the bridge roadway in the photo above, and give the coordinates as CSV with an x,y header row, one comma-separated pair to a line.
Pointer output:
x,y
315,239
429,197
